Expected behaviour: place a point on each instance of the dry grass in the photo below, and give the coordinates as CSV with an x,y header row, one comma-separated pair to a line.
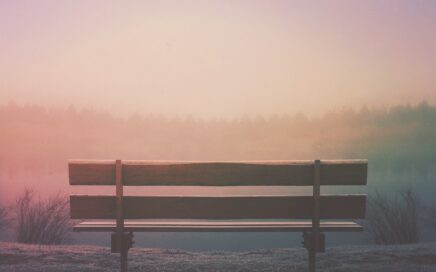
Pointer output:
x,y
42,221
431,217
393,220
4,219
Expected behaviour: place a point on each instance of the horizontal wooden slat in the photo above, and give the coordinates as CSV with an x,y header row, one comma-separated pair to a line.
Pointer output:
x,y
351,172
218,207
214,226
92,173
275,173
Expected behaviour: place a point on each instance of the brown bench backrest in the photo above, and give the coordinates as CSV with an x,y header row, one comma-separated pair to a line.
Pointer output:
x,y
282,173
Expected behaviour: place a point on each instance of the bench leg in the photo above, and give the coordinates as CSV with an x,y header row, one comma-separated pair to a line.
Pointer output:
x,y
123,257
313,246
312,260
122,245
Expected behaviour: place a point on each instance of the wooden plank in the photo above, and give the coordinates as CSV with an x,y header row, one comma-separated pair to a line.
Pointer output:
x,y
218,207
91,173
275,173
344,172
216,226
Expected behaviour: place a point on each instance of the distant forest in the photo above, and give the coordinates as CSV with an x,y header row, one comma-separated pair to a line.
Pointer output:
x,y
400,141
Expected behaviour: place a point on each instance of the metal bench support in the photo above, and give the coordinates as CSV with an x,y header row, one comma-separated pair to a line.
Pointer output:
x,y
120,235
315,235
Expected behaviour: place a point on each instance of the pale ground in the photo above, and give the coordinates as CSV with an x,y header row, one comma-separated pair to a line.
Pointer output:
x,y
410,258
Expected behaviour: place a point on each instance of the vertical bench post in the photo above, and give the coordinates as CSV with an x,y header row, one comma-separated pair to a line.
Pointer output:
x,y
315,218
120,215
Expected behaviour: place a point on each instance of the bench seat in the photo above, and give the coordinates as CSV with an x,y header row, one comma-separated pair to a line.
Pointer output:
x,y
214,226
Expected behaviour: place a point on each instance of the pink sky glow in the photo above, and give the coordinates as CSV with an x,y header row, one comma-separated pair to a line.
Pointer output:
x,y
217,58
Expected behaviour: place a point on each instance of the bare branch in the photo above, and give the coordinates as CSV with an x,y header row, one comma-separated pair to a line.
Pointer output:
x,y
42,221
393,220
4,219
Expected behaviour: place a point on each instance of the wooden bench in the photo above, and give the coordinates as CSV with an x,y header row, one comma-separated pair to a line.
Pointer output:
x,y
259,213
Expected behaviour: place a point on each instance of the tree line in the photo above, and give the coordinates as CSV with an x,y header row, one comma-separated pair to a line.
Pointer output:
x,y
399,141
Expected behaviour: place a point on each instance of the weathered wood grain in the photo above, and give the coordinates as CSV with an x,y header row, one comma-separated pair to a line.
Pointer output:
x,y
275,173
218,207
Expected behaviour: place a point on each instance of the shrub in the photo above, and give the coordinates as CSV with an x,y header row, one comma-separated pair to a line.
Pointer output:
x,y
393,220
432,216
4,220
42,221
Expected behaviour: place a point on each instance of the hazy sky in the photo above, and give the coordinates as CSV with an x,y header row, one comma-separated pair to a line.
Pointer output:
x,y
217,58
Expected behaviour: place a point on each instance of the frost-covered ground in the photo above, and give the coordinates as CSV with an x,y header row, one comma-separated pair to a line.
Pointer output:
x,y
19,257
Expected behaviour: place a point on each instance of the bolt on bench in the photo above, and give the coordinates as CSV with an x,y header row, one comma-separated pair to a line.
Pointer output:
x,y
261,213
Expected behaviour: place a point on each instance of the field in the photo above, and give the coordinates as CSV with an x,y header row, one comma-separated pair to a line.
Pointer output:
x,y
29,258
